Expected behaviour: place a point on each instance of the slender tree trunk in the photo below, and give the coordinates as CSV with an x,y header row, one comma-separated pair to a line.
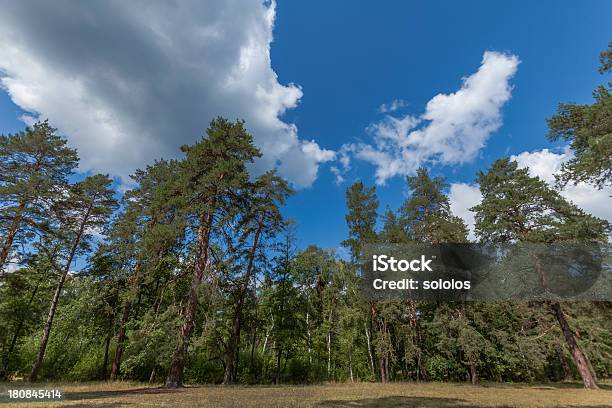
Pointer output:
x,y
263,350
308,339
279,353
350,355
105,362
384,356
567,370
281,324
177,366
387,367
369,345
416,325
383,371
125,317
577,354
10,237
56,296
328,354
120,340
7,356
253,341
329,339
232,345
254,338
387,347
474,374
152,376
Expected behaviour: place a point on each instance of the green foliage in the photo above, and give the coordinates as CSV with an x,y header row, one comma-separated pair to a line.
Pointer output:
x,y
34,166
301,315
516,206
361,218
588,129
426,215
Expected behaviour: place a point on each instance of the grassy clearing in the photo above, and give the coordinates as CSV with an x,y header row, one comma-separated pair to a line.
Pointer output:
x,y
439,395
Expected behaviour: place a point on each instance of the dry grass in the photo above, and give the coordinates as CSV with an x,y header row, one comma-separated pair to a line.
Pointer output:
x,y
442,395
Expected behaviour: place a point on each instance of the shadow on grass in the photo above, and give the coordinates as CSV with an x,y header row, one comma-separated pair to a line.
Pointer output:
x,y
551,386
111,405
399,401
85,395
417,402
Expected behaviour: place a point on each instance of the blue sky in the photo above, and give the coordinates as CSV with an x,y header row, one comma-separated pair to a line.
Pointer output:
x,y
345,59
350,60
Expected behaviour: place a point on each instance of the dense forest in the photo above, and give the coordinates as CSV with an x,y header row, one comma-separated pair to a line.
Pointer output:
x,y
194,276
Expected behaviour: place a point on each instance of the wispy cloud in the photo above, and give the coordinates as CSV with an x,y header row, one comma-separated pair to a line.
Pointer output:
x,y
394,105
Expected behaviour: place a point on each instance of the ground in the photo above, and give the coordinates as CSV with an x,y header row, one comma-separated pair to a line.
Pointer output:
x,y
439,395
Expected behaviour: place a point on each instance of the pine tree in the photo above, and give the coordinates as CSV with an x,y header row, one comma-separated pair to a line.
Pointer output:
x,y
285,305
518,207
213,168
34,166
361,221
426,215
262,220
87,207
361,218
146,229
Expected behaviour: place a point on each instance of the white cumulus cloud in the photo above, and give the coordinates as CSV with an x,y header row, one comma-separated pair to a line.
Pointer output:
x,y
453,128
130,81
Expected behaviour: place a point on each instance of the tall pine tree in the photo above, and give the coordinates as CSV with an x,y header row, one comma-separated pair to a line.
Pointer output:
x,y
86,207
518,207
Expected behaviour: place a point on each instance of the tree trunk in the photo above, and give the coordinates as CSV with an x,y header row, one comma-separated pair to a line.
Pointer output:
x,y
369,345
105,361
263,349
474,374
577,354
279,353
254,338
328,354
54,302
253,341
7,356
416,325
125,317
177,366
567,370
308,339
120,340
277,342
232,345
10,237
383,371
152,376
350,355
